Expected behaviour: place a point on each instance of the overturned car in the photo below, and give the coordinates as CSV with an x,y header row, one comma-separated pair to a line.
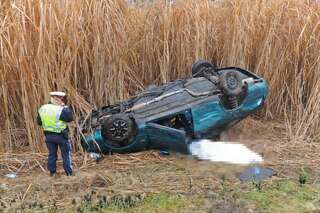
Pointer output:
x,y
169,116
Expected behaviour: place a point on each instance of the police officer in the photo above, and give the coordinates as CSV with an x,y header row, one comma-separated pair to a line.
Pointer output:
x,y
53,117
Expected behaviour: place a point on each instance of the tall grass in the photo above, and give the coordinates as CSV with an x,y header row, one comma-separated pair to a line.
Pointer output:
x,y
101,51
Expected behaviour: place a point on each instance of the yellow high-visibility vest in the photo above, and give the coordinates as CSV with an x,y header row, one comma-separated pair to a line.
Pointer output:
x,y
50,118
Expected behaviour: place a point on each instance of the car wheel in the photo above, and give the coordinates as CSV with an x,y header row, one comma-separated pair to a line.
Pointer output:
x,y
230,83
201,67
118,128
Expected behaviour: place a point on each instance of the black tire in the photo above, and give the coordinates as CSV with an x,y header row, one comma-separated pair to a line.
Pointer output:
x,y
119,128
230,83
202,66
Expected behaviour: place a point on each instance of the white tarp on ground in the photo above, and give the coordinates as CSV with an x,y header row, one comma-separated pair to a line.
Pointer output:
x,y
226,152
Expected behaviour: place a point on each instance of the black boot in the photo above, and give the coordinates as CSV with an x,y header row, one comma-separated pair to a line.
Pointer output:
x,y
69,174
53,174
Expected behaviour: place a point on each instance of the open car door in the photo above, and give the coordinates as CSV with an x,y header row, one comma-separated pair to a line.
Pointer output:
x,y
166,138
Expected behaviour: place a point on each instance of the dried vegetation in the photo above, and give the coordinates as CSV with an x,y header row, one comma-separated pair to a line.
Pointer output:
x,y
101,51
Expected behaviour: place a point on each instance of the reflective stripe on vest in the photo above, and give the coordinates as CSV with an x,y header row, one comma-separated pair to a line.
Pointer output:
x,y
50,115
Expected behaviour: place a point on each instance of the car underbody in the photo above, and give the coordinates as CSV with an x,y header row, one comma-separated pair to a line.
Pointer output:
x,y
169,116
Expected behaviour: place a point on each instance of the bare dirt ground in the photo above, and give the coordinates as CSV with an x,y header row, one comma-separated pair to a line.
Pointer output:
x,y
129,179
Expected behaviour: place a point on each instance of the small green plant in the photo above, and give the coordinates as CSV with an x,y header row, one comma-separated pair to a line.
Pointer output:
x,y
257,184
117,202
125,201
223,179
303,177
223,185
52,209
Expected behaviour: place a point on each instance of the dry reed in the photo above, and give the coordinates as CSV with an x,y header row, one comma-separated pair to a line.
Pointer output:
x,y
101,51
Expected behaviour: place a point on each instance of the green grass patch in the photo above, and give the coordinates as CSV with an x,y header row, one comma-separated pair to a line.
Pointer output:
x,y
273,196
162,202
285,196
159,203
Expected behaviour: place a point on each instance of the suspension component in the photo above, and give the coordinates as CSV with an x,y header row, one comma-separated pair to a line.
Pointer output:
x,y
233,101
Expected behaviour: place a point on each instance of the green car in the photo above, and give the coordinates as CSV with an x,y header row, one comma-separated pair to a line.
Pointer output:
x,y
169,116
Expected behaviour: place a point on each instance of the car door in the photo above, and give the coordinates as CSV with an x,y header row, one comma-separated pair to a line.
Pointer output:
x,y
166,138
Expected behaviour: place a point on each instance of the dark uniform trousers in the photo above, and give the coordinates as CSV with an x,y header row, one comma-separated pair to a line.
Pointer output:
x,y
53,141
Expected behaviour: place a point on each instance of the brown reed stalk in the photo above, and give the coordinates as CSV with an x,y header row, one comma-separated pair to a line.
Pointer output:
x,y
101,51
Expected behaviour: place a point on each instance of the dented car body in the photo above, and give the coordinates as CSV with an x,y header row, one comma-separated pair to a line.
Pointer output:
x,y
169,116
